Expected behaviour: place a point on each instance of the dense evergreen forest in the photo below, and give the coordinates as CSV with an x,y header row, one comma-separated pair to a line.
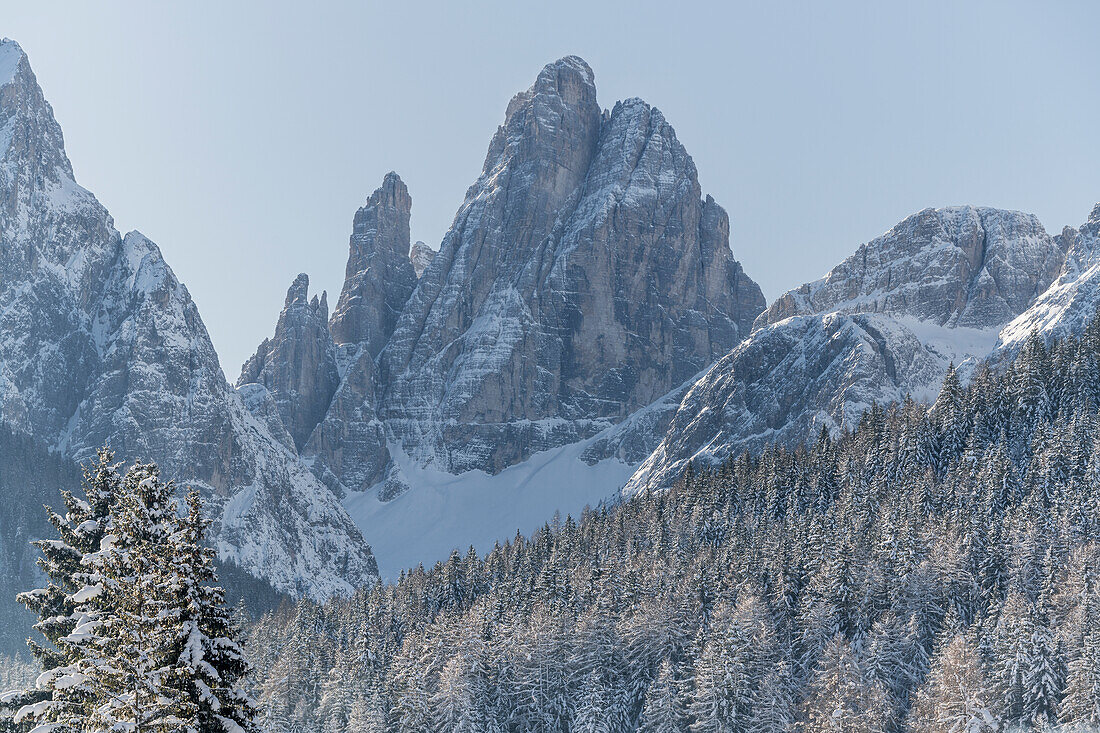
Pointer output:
x,y
935,569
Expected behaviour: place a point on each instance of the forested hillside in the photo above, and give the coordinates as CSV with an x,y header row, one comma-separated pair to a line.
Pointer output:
x,y
935,569
30,477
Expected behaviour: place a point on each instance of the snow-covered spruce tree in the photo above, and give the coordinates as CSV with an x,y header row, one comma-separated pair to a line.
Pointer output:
x,y
134,682
592,715
843,697
61,694
663,711
209,663
1081,705
150,646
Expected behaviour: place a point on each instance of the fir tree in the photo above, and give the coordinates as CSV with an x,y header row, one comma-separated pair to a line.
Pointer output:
x,y
62,693
149,643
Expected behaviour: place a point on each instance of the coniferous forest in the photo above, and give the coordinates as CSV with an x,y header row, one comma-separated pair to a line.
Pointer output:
x,y
934,569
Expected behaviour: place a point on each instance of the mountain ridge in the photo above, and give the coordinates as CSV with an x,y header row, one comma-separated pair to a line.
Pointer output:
x,y
103,345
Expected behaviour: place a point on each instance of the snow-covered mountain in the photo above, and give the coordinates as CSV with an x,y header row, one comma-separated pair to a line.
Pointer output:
x,y
583,322
584,277
102,344
1073,299
885,323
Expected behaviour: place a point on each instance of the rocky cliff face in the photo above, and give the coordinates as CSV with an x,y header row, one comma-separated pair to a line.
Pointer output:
x,y
584,276
102,344
885,323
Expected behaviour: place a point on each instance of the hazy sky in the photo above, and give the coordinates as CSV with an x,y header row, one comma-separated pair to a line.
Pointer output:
x,y
242,137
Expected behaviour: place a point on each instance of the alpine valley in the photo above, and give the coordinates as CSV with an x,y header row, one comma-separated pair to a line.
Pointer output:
x,y
583,333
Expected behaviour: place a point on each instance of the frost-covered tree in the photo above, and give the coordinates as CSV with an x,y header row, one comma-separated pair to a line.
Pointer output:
x,y
843,696
664,710
957,697
592,714
62,694
1081,705
149,644
207,659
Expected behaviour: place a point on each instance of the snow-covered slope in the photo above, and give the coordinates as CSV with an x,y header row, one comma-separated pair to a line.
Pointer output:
x,y
1073,299
102,344
885,323
443,511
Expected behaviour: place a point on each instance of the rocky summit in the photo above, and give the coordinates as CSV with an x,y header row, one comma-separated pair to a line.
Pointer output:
x,y
584,276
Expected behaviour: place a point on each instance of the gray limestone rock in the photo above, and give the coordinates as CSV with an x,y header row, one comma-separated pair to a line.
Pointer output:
x,y
584,277
297,365
421,255
379,276
1073,300
885,323
956,266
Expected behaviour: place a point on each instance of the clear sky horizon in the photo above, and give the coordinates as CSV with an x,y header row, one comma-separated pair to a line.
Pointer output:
x,y
242,137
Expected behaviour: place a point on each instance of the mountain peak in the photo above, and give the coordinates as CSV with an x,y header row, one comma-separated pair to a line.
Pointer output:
x,y
566,84
568,64
955,266
379,276
298,290
31,144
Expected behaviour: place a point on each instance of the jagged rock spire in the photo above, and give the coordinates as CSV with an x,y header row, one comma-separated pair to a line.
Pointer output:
x,y
298,364
379,277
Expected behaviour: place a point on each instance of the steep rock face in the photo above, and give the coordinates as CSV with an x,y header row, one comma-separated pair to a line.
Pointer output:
x,y
885,323
584,276
297,365
348,449
1073,299
102,344
421,255
380,276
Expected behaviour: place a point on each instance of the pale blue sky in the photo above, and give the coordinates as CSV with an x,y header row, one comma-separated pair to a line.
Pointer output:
x,y
242,137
